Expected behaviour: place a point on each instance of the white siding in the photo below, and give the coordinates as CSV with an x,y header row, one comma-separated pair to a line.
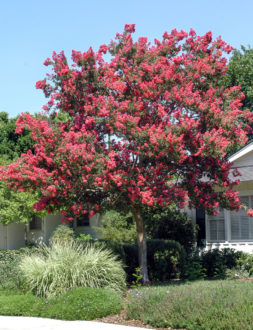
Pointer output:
x,y
51,221
3,237
245,160
15,236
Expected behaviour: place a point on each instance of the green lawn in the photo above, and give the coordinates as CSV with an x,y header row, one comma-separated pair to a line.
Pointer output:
x,y
219,305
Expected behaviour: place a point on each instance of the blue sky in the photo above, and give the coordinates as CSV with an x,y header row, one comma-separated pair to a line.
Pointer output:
x,y
31,30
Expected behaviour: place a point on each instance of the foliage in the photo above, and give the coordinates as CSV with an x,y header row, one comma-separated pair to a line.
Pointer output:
x,y
65,266
62,234
216,261
219,264
166,259
83,238
240,72
11,143
171,223
193,269
118,227
136,283
14,206
9,275
76,304
245,261
243,267
237,273
143,129
203,305
17,206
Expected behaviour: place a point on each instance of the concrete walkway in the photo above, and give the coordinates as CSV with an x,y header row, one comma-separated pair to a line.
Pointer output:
x,y
36,323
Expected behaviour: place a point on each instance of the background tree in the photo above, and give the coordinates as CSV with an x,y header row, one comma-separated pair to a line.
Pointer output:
x,y
173,224
240,72
145,128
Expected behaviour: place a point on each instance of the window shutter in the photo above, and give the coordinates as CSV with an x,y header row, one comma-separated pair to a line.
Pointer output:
x,y
220,230
213,230
217,227
241,224
235,225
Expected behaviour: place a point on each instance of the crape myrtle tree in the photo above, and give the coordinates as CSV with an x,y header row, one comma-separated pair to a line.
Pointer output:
x,y
149,126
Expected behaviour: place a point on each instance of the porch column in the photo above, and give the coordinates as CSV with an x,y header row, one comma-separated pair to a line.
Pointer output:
x,y
227,225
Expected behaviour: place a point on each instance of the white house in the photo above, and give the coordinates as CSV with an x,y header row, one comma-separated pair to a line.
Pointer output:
x,y
230,229
40,230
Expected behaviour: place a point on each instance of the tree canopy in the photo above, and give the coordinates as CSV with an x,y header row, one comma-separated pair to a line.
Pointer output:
x,y
150,126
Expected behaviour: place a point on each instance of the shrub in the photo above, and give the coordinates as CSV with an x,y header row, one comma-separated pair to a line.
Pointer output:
x,y
165,259
117,227
62,234
171,224
67,266
245,261
83,304
76,304
193,269
216,262
237,273
9,272
202,305
9,275
131,261
243,268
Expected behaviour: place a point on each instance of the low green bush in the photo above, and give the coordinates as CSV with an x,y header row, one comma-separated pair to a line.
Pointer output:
x,y
19,305
83,304
245,262
9,273
76,304
65,266
193,269
237,273
202,305
166,259
216,262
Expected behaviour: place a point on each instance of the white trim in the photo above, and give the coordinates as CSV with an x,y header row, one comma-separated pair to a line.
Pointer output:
x,y
241,152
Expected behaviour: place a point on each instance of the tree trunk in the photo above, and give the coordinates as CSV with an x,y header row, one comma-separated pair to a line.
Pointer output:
x,y
142,245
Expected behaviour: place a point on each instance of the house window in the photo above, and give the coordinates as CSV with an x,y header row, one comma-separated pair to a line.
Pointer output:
x,y
241,224
83,220
36,223
217,226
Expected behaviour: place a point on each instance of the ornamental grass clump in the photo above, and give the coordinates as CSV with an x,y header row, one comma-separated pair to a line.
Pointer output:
x,y
66,266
